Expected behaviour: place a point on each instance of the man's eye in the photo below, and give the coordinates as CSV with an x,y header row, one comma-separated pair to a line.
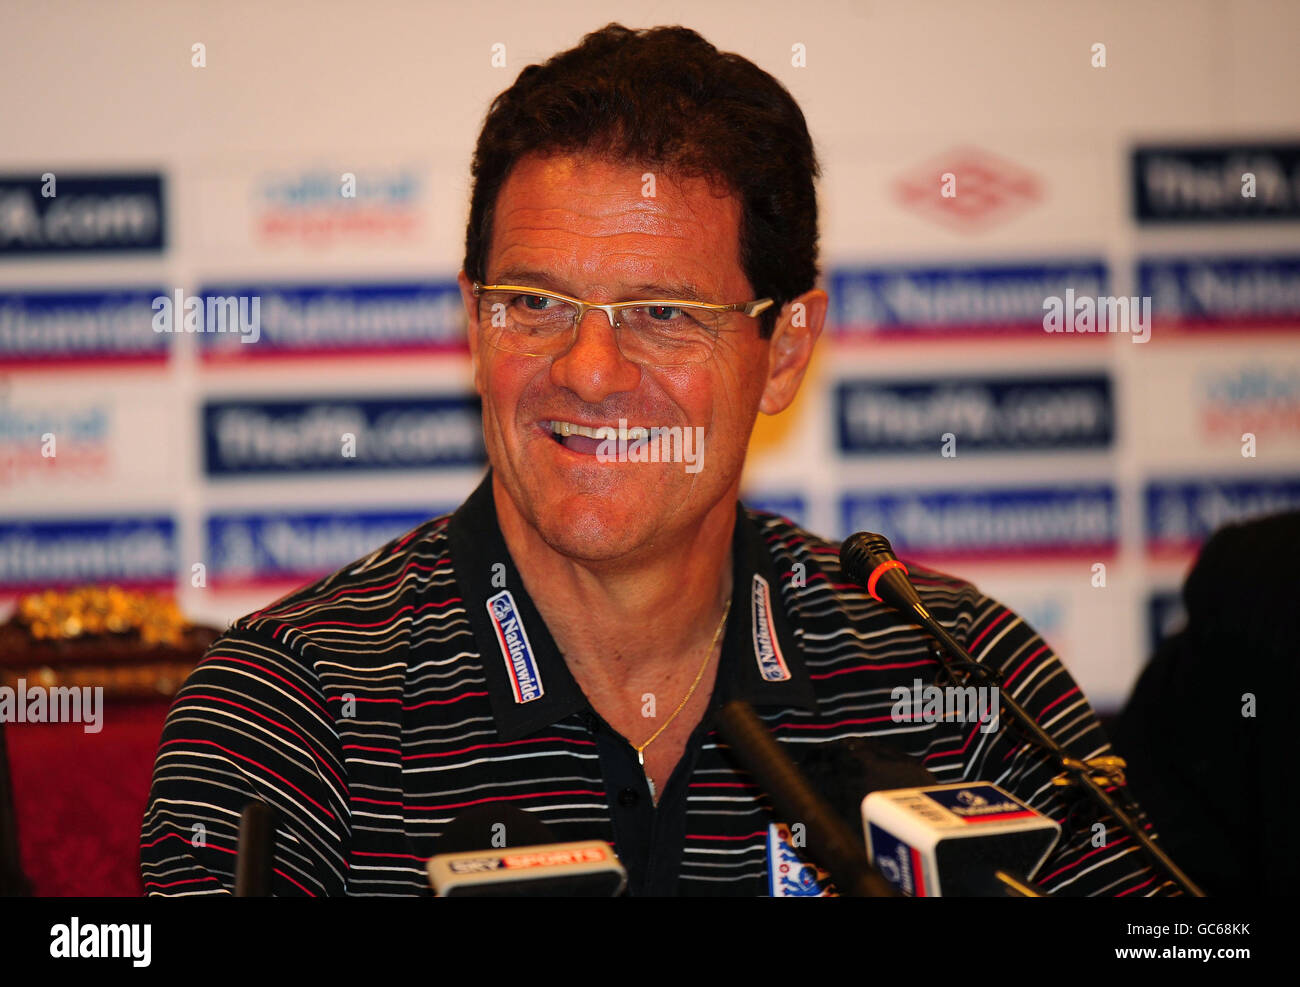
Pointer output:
x,y
664,313
536,303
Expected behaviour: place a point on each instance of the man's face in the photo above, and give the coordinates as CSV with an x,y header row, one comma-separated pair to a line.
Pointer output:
x,y
582,227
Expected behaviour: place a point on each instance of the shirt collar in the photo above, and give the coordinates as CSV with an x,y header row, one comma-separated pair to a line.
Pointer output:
x,y
529,683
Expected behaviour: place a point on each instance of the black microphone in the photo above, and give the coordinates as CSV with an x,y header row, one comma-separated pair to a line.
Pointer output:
x,y
869,560
496,849
255,854
830,841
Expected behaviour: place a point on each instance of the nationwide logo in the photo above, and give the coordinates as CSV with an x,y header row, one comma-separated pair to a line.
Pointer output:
x,y
311,208
1181,514
345,319
279,547
131,551
979,804
341,434
1000,414
934,302
989,190
1013,523
1226,183
80,442
1222,292
767,649
77,326
59,213
1258,398
521,665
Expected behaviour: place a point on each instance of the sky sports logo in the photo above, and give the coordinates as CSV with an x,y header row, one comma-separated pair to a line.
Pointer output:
x,y
288,546
129,551
54,326
1222,291
1002,414
872,302
262,438
1181,513
992,523
77,214
345,318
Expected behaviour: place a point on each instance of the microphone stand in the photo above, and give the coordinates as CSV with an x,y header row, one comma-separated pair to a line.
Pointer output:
x,y
870,555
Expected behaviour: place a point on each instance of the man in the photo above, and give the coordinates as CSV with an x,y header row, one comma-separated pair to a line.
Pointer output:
x,y
560,643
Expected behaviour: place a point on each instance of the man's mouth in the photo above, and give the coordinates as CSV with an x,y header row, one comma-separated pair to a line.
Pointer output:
x,y
587,439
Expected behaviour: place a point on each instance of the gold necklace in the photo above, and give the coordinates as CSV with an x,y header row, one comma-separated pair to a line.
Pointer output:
x,y
640,751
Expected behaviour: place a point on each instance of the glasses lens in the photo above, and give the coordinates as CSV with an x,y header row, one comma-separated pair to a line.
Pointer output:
x,y
668,335
523,323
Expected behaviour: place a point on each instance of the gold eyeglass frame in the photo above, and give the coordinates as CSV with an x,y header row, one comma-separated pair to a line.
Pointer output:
x,y
751,309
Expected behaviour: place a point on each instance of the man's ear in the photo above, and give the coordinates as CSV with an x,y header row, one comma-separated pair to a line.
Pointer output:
x,y
471,322
791,347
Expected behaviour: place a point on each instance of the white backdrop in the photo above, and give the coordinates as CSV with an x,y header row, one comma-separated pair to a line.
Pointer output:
x,y
249,150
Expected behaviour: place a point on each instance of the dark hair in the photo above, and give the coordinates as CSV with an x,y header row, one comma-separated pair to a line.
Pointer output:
x,y
666,98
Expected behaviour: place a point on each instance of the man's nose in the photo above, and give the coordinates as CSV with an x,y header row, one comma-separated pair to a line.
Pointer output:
x,y
594,367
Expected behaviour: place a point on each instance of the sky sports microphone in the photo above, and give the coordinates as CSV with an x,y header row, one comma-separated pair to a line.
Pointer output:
x,y
498,850
963,840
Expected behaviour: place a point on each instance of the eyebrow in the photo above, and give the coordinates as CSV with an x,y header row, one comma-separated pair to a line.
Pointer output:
x,y
686,291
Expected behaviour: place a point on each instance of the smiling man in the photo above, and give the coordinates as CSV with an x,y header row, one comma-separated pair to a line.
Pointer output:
x,y
641,261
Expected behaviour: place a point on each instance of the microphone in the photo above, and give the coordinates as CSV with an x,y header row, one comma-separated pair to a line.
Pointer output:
x,y
868,559
498,850
255,852
991,843
967,839
830,841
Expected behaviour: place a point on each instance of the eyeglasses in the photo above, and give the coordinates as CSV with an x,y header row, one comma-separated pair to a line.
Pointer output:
x,y
658,332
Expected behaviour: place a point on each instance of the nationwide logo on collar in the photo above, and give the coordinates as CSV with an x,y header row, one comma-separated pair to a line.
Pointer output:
x,y
521,664
767,649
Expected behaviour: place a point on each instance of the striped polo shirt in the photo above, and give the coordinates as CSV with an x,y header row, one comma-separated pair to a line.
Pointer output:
x,y
374,706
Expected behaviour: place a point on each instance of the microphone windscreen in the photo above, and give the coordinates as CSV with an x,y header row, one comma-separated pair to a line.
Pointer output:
x,y
846,771
493,825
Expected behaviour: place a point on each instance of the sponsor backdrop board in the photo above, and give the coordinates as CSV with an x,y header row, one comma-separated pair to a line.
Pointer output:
x,y
1063,345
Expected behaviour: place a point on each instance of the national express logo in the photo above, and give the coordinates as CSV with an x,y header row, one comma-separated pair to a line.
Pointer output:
x,y
941,301
57,213
64,440
337,434
1255,397
320,207
1013,523
344,319
998,414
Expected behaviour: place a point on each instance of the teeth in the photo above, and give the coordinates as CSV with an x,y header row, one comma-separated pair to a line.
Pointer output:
x,y
634,434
